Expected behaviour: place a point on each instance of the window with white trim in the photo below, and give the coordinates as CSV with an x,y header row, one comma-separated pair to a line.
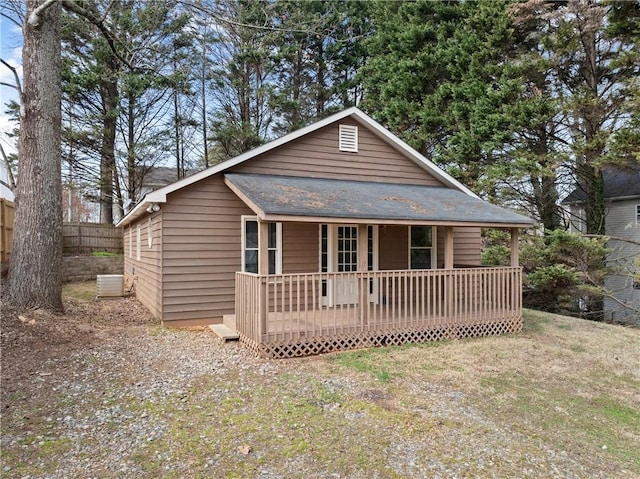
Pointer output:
x,y
421,247
348,138
250,253
149,234
138,236
130,242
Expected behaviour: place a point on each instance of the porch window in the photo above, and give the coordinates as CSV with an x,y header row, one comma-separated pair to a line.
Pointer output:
x,y
250,246
421,254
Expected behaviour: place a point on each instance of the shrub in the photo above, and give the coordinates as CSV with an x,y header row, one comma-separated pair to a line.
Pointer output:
x,y
564,272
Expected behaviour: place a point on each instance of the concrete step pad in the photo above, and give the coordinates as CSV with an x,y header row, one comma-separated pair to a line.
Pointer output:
x,y
224,332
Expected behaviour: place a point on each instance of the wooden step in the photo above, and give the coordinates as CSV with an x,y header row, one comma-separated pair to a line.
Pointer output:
x,y
224,332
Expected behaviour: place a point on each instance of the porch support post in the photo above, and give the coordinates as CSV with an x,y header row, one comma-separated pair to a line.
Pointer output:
x,y
363,282
515,257
263,271
448,247
448,264
263,248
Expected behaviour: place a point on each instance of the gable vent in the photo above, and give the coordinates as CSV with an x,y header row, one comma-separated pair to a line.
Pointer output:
x,y
348,138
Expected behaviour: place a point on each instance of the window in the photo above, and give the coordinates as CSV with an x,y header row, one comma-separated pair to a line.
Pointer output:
x,y
138,235
130,242
149,234
348,138
638,215
421,251
250,246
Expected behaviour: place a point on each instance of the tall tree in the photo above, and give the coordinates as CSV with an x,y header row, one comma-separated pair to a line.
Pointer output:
x,y
436,76
592,66
243,117
36,260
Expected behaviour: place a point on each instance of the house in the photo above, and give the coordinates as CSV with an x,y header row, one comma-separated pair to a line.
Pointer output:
x,y
335,236
156,177
622,225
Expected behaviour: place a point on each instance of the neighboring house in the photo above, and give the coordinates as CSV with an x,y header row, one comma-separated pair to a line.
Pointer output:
x,y
622,224
335,236
156,177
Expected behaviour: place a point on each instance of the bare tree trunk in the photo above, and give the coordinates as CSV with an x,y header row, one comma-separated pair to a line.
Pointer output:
x,y
36,260
109,95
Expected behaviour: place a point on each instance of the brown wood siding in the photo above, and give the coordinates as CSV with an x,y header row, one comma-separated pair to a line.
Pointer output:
x,y
467,246
300,248
202,252
316,155
146,272
393,244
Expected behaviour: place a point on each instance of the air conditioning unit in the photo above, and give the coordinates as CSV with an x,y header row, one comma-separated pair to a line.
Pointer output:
x,y
109,285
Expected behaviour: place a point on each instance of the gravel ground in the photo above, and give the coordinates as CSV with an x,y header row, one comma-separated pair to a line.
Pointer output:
x,y
103,391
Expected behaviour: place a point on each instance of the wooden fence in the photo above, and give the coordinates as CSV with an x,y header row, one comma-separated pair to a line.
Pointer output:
x,y
78,238
6,228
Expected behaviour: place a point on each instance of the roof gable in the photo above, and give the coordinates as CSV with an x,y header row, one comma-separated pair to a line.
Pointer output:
x,y
318,154
160,196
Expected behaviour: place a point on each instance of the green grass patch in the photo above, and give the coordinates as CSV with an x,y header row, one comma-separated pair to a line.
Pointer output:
x,y
556,413
83,292
367,361
107,254
534,322
621,413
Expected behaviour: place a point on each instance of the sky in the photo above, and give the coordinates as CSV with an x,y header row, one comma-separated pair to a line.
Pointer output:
x,y
10,52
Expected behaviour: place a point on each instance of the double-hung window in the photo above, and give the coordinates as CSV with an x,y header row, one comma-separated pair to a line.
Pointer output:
x,y
250,246
421,250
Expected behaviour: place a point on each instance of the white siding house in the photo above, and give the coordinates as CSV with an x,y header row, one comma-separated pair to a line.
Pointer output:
x,y
622,225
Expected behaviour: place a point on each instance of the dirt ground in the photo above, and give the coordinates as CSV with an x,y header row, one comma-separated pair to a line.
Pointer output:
x,y
104,391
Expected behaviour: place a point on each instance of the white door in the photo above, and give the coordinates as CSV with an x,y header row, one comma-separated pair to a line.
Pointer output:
x,y
339,254
345,291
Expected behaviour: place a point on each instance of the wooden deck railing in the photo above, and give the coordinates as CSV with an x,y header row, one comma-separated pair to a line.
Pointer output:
x,y
283,309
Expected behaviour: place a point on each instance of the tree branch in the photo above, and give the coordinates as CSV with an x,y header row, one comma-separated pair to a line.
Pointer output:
x,y
78,9
615,238
36,16
17,86
12,181
11,19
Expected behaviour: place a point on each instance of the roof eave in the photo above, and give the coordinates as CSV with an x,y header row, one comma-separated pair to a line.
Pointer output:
x,y
282,218
155,197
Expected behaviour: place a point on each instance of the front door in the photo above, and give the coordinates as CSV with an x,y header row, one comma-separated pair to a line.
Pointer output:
x,y
346,290
339,254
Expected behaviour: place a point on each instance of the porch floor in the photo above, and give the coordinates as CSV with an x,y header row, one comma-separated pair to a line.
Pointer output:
x,y
338,320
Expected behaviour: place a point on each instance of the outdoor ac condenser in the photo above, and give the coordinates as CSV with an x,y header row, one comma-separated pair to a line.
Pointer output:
x,y
109,285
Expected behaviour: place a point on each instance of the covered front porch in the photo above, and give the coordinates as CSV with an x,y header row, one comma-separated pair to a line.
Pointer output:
x,y
397,278
287,315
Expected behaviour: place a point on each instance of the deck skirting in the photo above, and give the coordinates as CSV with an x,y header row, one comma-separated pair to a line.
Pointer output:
x,y
298,347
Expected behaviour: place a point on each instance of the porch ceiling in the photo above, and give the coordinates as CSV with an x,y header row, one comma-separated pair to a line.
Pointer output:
x,y
286,198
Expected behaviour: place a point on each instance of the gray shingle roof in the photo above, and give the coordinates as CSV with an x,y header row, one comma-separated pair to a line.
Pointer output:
x,y
295,196
618,183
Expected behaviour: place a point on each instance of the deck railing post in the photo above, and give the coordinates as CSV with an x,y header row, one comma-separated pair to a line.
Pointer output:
x,y
262,308
363,281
